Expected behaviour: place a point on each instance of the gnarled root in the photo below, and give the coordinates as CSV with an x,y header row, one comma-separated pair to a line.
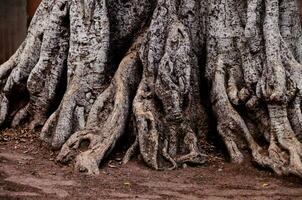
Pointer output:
x,y
253,67
87,62
107,119
15,72
229,121
259,101
167,108
45,79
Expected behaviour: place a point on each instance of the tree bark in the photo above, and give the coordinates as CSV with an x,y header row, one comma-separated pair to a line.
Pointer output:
x,y
87,67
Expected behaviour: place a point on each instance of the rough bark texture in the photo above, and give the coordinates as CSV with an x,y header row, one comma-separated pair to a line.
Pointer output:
x,y
253,66
89,68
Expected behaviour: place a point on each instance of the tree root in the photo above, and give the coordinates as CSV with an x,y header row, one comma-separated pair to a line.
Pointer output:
x,y
107,119
167,132
14,73
45,78
271,98
232,127
87,61
63,72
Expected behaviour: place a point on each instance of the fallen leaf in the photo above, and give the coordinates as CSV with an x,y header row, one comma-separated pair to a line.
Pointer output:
x,y
111,165
127,184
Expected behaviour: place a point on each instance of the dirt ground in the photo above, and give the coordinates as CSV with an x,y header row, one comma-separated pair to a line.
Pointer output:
x,y
28,171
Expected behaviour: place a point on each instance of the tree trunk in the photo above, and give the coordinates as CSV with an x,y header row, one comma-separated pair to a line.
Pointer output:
x,y
88,67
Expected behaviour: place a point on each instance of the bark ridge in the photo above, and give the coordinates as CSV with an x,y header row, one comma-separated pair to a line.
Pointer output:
x,y
91,72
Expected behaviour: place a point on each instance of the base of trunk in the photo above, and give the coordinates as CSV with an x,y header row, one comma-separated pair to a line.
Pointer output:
x,y
87,67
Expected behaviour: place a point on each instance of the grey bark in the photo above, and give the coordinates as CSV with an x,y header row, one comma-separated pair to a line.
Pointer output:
x,y
148,61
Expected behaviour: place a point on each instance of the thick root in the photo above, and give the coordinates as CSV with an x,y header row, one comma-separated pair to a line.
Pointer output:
x,y
87,61
45,78
167,108
258,104
228,119
107,119
14,73
63,75
280,127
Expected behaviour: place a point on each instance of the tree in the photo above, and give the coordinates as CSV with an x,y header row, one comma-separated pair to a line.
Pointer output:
x,y
90,72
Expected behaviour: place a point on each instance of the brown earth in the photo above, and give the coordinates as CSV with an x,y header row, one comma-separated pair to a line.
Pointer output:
x,y
28,171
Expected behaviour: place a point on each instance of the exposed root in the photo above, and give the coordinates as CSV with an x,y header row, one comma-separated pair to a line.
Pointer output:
x,y
63,72
49,128
280,127
107,119
227,117
165,102
45,78
295,117
130,152
270,92
87,62
14,73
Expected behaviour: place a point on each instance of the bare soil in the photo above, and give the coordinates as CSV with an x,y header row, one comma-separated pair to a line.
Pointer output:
x,y
28,171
